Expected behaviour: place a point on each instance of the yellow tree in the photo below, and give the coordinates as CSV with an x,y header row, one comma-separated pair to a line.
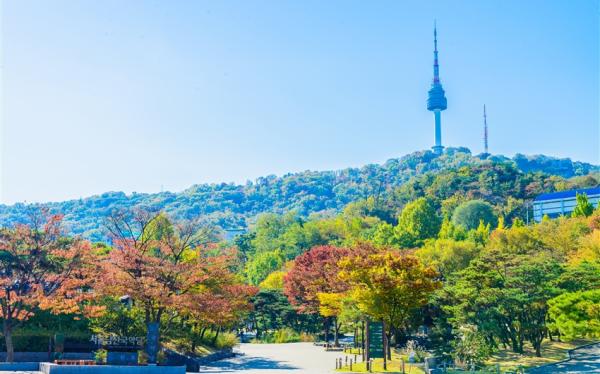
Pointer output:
x,y
330,306
389,285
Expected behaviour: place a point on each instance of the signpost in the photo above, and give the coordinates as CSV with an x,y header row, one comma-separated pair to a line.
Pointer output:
x,y
152,342
122,350
375,338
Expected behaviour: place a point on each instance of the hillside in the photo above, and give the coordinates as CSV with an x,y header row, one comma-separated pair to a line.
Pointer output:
x,y
235,206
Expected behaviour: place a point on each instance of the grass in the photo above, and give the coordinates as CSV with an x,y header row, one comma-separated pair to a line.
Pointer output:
x,y
508,360
551,352
393,366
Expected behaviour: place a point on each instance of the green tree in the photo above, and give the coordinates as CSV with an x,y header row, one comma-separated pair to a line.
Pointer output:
x,y
577,314
505,295
272,311
469,214
448,256
263,264
580,277
418,221
449,230
583,208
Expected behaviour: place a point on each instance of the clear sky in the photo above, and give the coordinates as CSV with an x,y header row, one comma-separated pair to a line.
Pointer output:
x,y
142,95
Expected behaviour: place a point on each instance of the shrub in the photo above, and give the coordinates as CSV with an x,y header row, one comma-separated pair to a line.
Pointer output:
x,y
284,335
413,347
470,348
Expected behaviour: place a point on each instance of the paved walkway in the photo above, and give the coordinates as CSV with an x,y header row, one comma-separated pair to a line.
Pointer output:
x,y
583,360
296,358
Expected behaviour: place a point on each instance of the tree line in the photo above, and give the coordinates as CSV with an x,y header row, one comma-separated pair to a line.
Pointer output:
x,y
155,271
473,281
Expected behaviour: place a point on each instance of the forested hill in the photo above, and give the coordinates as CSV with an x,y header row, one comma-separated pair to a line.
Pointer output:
x,y
234,206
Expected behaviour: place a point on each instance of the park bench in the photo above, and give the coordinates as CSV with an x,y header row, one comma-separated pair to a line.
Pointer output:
x,y
333,348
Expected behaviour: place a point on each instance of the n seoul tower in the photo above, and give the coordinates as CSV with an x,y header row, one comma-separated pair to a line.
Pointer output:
x,y
436,101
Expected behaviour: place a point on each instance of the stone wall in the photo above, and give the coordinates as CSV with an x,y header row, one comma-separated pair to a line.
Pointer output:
x,y
43,356
19,366
48,368
193,363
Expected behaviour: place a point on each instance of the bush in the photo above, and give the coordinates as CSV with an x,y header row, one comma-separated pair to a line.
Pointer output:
x,y
224,340
470,348
284,335
307,338
100,356
413,347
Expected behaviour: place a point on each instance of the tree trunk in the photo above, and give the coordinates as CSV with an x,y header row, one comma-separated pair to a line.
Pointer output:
x,y
336,327
386,345
389,346
10,349
194,337
216,335
362,338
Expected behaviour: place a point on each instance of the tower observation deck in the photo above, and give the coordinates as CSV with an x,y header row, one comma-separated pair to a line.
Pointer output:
x,y
436,101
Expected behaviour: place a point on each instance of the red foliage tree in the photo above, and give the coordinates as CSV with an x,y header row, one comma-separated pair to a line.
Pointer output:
x,y
313,272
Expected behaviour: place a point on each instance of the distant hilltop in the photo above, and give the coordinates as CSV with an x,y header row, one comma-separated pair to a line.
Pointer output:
x,y
232,206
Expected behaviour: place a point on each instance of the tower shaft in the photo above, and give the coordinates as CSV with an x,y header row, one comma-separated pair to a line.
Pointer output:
x,y
438,148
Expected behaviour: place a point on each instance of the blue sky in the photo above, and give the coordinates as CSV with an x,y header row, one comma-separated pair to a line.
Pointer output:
x,y
143,95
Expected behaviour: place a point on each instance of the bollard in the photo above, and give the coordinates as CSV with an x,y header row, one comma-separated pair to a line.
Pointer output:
x,y
346,360
350,364
402,361
355,356
370,365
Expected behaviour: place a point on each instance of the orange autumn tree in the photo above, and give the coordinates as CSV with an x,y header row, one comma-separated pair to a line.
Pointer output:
x,y
152,260
41,269
217,300
169,272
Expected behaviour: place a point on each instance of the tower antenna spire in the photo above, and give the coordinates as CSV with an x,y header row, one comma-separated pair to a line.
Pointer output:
x,y
485,132
436,66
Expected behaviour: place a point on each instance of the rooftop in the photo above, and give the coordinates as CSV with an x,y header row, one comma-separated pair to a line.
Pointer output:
x,y
568,194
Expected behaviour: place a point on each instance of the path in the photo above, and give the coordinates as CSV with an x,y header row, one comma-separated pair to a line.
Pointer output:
x,y
296,358
583,360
